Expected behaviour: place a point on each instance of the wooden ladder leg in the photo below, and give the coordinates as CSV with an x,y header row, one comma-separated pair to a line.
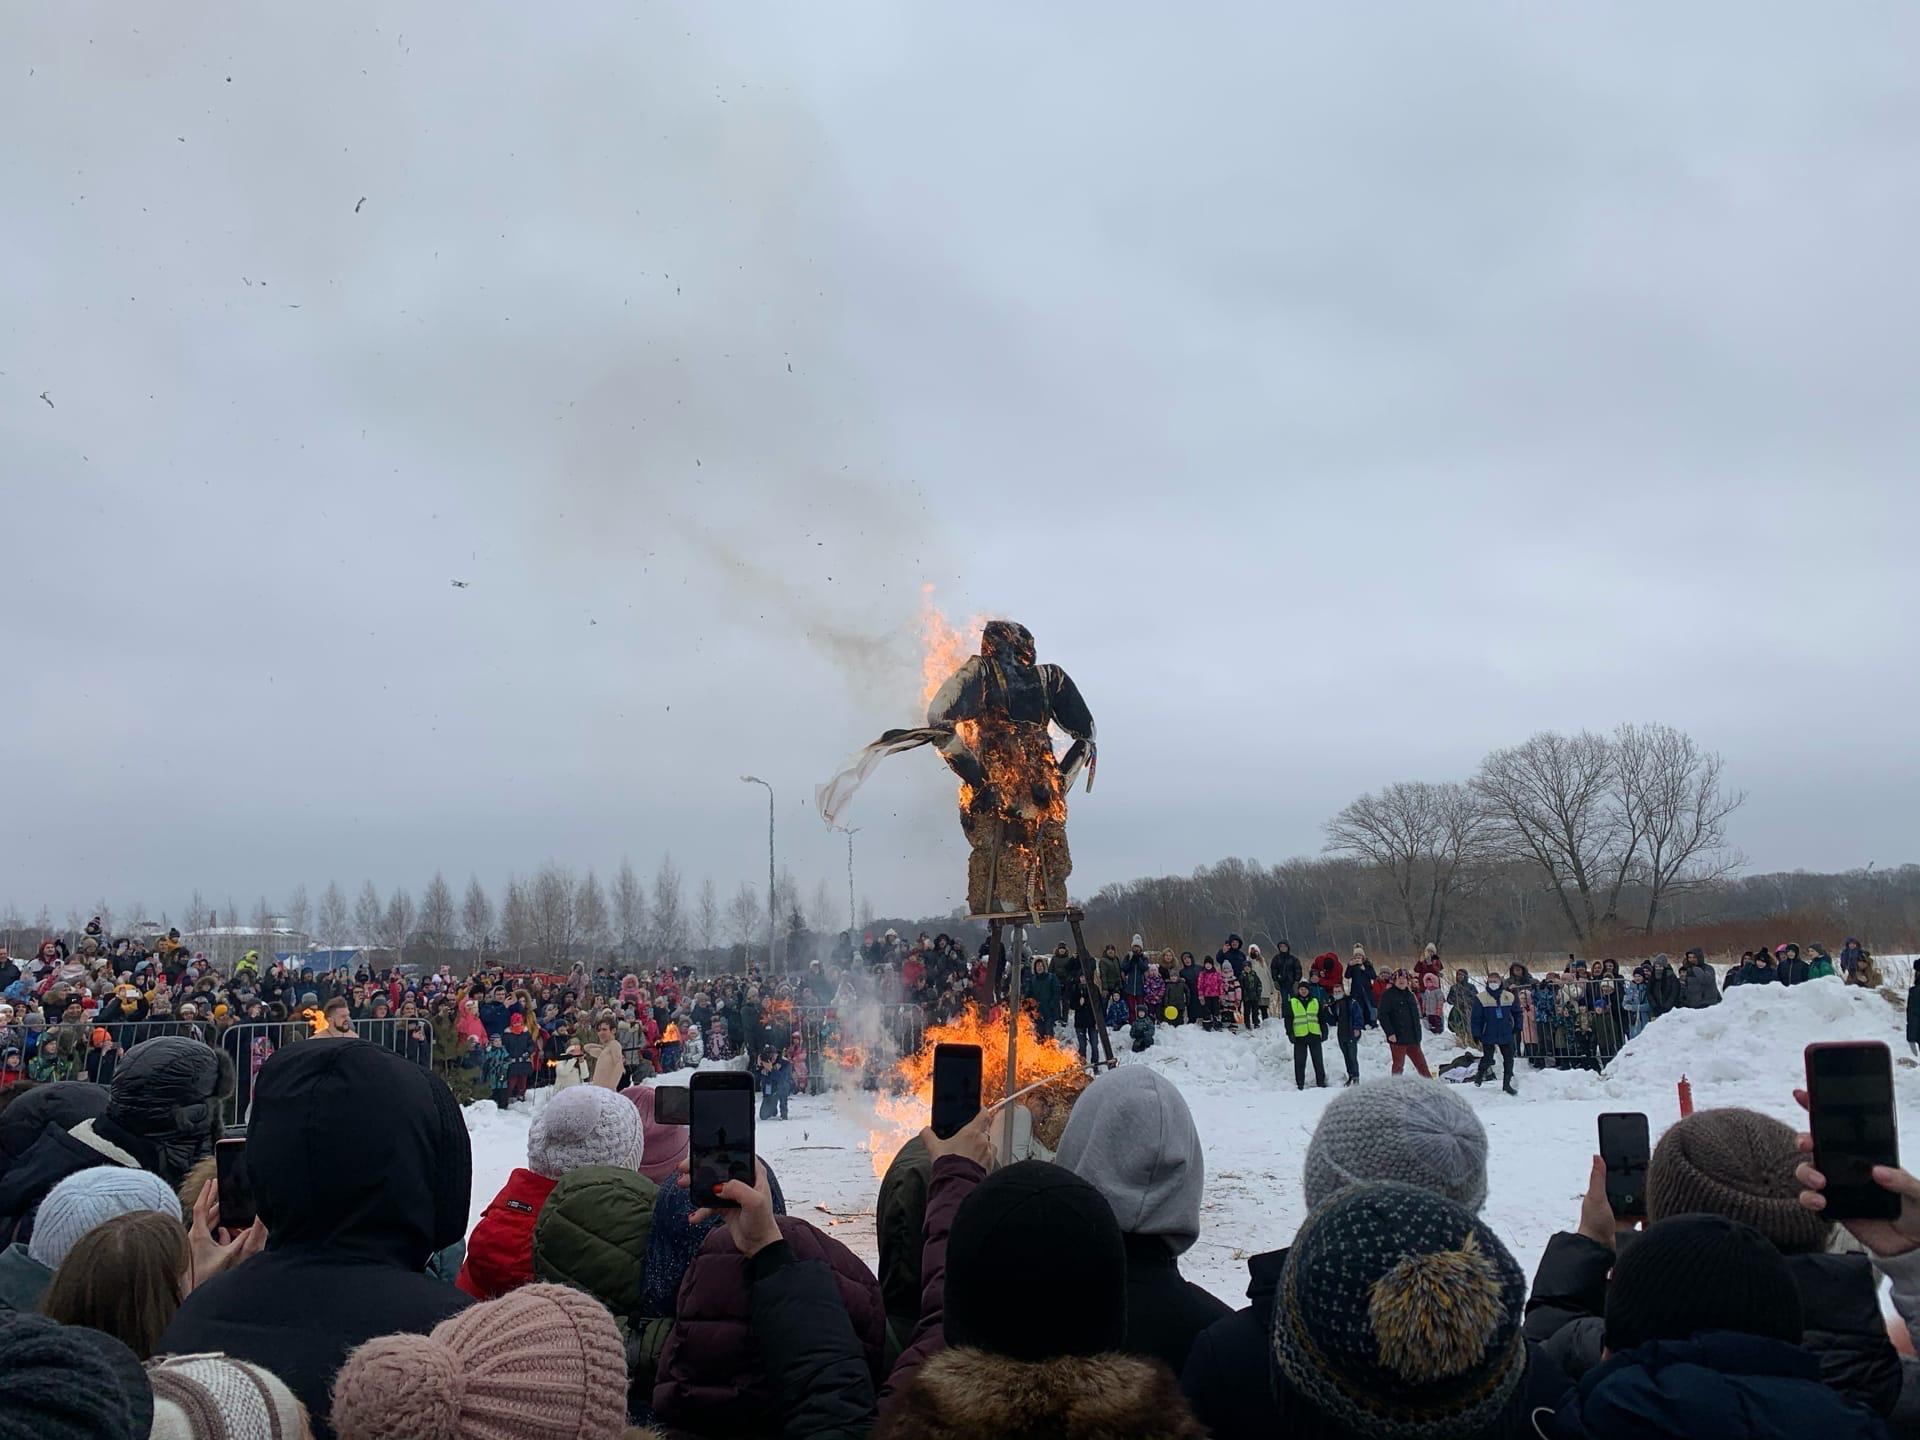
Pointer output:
x,y
1090,972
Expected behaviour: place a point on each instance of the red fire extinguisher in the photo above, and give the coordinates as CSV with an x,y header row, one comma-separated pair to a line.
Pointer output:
x,y
1686,1097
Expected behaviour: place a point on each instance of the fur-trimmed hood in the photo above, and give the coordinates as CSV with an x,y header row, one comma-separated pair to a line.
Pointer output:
x,y
967,1394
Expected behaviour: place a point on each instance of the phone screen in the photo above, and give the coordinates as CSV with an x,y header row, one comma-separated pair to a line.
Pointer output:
x,y
670,1104
720,1133
1850,1106
956,1088
1626,1149
236,1192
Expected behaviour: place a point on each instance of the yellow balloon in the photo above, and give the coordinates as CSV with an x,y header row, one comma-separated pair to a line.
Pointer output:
x,y
1173,1012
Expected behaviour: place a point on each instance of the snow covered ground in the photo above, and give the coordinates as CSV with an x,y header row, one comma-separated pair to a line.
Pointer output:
x,y
1746,1052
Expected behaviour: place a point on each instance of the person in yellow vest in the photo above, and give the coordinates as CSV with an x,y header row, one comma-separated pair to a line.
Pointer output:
x,y
1306,1016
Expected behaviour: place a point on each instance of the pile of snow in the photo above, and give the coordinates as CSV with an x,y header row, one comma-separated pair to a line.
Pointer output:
x,y
1745,1052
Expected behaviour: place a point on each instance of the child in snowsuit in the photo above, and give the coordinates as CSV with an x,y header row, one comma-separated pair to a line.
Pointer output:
x,y
1211,992
495,1068
1433,1002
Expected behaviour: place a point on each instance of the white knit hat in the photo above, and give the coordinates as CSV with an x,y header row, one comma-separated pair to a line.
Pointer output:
x,y
584,1125
90,1198
215,1397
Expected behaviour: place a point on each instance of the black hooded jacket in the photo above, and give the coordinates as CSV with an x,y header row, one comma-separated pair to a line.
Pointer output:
x,y
1225,1378
361,1169
64,1104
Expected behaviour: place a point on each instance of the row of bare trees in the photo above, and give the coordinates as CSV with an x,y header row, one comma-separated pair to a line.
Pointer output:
x,y
1602,822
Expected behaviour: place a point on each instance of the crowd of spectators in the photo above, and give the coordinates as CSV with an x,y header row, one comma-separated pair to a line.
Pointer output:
x,y
596,1295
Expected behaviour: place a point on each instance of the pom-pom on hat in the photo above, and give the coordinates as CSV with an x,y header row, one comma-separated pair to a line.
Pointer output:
x,y
584,1125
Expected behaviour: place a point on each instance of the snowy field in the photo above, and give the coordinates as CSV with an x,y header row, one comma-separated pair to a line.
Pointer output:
x,y
1255,1125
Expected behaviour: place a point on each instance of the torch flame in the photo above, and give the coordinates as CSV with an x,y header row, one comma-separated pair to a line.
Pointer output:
x,y
945,645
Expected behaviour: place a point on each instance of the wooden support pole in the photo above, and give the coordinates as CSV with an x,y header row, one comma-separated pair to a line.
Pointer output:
x,y
1016,953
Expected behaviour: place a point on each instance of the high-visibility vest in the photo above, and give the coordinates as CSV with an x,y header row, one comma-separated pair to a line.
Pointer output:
x,y
1305,1024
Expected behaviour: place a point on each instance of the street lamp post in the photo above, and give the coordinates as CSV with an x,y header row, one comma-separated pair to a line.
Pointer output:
x,y
852,926
756,780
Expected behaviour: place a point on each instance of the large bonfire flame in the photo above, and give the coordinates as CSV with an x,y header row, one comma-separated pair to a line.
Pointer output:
x,y
904,1104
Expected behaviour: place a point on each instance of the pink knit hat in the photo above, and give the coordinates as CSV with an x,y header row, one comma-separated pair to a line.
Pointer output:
x,y
542,1361
663,1147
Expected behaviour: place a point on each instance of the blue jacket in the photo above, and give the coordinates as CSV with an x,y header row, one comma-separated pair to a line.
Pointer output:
x,y
1494,1019
1716,1384
1133,973
493,1015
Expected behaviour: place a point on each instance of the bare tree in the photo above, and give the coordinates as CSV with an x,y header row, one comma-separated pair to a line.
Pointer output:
x,y
331,920
368,915
397,924
1553,801
553,913
629,910
299,909
476,916
230,917
822,913
706,914
668,931
590,915
518,925
1429,841
1680,807
745,918
199,912
437,922
262,916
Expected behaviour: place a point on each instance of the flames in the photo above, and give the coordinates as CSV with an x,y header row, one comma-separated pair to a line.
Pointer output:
x,y
318,1021
904,1104
945,647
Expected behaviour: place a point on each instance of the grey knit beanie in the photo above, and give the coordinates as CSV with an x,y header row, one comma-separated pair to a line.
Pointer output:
x,y
1736,1163
91,1198
1400,1128
584,1125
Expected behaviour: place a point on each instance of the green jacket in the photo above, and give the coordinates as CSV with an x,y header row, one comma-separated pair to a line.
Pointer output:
x,y
899,1224
592,1234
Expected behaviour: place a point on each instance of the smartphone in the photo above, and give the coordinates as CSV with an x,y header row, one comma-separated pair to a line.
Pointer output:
x,y
720,1132
1626,1149
670,1104
1850,1106
236,1192
956,1088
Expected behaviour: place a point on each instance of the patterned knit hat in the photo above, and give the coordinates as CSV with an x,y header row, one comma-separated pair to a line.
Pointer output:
x,y
584,1125
1399,1317
215,1397
1402,1129
1736,1163
90,1198
539,1362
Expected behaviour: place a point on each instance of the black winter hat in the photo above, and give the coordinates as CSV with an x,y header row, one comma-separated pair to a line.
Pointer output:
x,y
68,1381
1027,1221
1399,1314
1701,1272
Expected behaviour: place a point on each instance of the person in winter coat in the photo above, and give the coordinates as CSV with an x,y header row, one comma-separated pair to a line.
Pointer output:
x,y
583,1125
719,1376
1698,988
1433,1004
77,1205
995,1356
1253,988
163,1113
1133,1138
1327,973
1211,990
1852,954
1633,1003
1110,977
1133,975
1495,1027
1428,964
1461,1003
1307,1018
1362,983
1820,965
546,1360
1740,1165
1044,989
1788,965
1663,988
1404,1130
518,1043
1400,1021
592,1235
361,1170
1344,1015
1705,1335
1166,998
1285,970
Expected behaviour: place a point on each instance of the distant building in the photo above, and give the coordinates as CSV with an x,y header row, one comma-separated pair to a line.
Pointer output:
x,y
225,944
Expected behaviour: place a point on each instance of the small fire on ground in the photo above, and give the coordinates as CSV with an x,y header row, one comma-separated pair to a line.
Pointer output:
x,y
904,1103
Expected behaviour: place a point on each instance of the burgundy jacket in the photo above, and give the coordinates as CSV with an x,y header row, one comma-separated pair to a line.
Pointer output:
x,y
954,1177
711,1380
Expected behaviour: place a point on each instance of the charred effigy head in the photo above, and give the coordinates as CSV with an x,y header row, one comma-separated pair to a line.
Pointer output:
x,y
1008,640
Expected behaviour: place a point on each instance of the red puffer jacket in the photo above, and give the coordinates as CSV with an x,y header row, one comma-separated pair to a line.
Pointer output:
x,y
710,1380
500,1250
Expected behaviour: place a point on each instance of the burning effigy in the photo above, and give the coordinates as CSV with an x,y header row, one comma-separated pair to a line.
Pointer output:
x,y
990,722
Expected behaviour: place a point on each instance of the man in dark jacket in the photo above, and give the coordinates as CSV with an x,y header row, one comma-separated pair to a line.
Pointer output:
x,y
1788,965
1495,1027
163,1114
1044,988
1703,1329
1232,955
1133,976
1132,1136
1698,989
1663,988
1740,1164
361,1170
1286,970
1400,1020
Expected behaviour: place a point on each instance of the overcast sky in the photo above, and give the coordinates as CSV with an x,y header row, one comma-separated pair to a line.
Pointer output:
x,y
1337,393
